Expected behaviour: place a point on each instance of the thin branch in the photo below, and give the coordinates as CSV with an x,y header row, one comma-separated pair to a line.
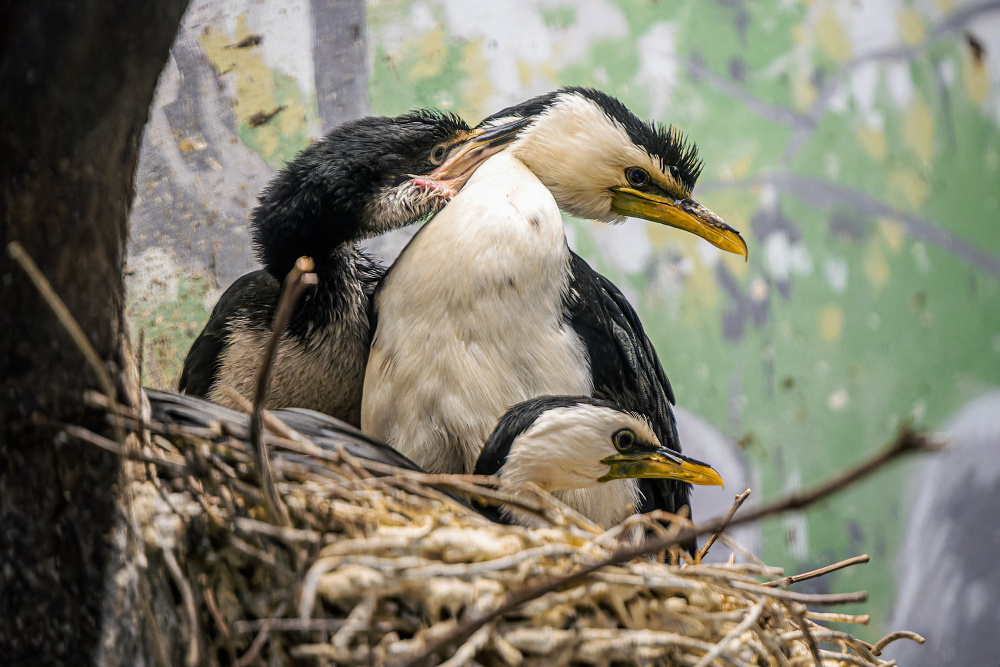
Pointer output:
x,y
737,503
733,634
213,609
92,438
258,642
44,287
784,582
465,653
907,442
861,619
893,636
798,613
289,625
804,598
295,283
182,584
69,323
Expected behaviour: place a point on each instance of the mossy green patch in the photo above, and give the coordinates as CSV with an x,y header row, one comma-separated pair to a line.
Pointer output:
x,y
167,329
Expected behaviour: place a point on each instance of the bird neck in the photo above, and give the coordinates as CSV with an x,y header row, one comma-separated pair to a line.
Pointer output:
x,y
314,205
282,236
608,504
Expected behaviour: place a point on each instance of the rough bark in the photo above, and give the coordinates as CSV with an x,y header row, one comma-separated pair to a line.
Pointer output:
x,y
76,79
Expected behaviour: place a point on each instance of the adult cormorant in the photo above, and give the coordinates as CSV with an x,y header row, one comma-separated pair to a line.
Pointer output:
x,y
487,306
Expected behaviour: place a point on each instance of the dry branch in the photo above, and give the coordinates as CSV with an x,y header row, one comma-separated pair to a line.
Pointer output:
x,y
295,283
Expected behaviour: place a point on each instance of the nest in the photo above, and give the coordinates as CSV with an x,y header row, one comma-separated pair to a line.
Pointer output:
x,y
374,566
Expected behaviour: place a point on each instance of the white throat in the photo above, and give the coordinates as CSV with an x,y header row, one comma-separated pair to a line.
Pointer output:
x,y
471,321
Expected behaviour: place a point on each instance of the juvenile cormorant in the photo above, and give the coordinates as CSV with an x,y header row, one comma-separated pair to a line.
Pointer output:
x,y
364,178
587,452
487,306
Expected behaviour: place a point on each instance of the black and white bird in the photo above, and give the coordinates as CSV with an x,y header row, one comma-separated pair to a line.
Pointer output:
x,y
487,306
587,452
563,444
364,178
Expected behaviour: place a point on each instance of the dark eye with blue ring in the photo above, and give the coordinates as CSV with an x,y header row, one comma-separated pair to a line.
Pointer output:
x,y
636,176
623,439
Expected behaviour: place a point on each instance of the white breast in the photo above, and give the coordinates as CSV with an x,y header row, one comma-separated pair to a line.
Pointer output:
x,y
471,321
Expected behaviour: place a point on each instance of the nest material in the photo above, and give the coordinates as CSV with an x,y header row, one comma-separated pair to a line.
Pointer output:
x,y
378,569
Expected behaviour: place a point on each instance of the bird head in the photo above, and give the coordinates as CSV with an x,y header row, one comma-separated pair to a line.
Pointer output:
x,y
575,442
431,157
366,177
601,162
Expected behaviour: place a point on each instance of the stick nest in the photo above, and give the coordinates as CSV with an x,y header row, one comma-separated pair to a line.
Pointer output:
x,y
377,567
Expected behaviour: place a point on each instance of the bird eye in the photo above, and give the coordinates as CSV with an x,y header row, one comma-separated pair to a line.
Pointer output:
x,y
623,439
636,176
438,154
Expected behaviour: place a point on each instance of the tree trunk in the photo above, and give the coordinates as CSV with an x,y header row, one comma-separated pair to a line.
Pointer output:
x,y
76,79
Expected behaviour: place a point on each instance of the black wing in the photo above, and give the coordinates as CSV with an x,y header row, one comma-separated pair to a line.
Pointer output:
x,y
252,299
626,369
329,432
322,430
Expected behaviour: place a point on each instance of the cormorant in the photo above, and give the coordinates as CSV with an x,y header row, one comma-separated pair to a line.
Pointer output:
x,y
359,180
587,452
487,306
561,443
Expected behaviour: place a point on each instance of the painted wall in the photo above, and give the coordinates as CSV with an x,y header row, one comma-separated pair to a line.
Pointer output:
x,y
856,144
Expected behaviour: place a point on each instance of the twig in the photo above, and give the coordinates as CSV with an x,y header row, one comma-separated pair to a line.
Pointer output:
x,y
141,355
97,440
188,597
861,619
893,636
465,653
295,282
784,582
284,533
724,643
213,609
44,287
355,622
737,503
69,323
862,648
258,642
907,442
288,625
804,598
798,613
849,658
739,549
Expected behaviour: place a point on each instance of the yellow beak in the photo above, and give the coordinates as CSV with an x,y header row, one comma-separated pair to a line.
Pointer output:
x,y
662,463
687,214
